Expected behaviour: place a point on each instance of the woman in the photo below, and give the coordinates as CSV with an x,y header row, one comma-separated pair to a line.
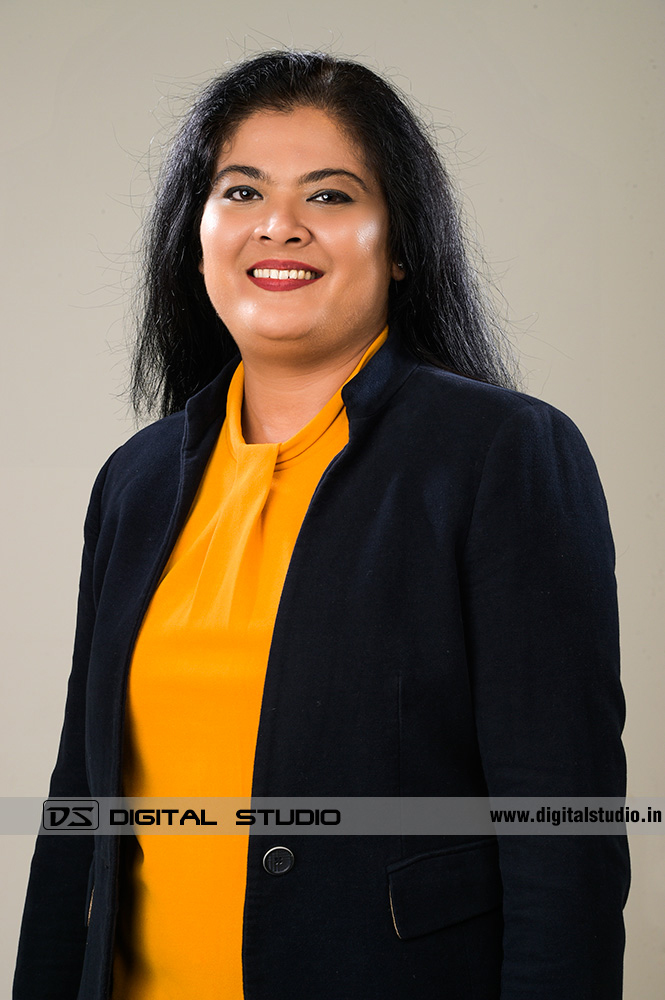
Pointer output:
x,y
356,563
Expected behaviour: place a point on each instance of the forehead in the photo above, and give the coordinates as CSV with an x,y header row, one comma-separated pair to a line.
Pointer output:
x,y
302,139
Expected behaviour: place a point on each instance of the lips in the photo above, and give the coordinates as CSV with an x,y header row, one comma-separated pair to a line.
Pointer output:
x,y
281,275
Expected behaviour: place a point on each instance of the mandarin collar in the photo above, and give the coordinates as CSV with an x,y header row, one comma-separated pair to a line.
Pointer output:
x,y
370,389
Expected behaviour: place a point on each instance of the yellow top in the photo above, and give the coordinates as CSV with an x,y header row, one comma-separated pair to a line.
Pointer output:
x,y
194,699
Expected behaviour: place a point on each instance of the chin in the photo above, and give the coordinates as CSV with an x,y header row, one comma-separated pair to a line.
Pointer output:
x,y
280,331
295,336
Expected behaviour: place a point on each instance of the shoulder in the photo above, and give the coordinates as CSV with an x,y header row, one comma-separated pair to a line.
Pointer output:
x,y
154,452
470,397
480,417
141,465
524,456
146,451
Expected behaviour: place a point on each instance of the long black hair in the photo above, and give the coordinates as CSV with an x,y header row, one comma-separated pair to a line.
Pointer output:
x,y
438,307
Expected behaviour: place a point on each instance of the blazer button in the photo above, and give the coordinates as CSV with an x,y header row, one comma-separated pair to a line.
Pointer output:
x,y
278,860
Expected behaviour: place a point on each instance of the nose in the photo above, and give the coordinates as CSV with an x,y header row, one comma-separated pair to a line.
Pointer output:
x,y
283,224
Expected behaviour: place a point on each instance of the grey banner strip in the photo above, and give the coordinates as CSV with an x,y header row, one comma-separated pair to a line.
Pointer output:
x,y
357,816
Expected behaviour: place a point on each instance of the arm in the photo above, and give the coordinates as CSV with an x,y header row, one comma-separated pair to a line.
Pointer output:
x,y
542,633
53,932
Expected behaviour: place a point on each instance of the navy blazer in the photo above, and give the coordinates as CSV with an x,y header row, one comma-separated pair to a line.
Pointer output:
x,y
447,627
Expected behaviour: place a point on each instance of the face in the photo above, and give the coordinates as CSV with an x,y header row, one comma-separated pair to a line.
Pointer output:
x,y
295,239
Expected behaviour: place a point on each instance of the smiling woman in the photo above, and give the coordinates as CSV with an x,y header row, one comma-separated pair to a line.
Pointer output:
x,y
314,336
350,560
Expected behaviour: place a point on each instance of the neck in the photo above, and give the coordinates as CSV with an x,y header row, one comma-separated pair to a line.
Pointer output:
x,y
280,400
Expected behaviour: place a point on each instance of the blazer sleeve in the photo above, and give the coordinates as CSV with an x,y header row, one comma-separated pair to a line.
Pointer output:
x,y
53,930
542,631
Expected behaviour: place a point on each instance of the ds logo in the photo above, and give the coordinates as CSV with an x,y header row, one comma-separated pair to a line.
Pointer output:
x,y
70,814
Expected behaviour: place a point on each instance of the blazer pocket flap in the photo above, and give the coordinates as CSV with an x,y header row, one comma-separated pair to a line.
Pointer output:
x,y
434,890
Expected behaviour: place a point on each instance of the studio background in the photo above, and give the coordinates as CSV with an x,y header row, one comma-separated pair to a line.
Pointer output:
x,y
550,116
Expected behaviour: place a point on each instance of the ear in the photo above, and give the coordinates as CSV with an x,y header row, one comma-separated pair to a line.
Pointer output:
x,y
201,266
397,271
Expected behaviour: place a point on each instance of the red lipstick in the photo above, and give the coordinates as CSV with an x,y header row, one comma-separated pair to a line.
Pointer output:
x,y
282,284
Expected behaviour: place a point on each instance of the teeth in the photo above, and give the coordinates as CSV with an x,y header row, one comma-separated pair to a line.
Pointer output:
x,y
272,272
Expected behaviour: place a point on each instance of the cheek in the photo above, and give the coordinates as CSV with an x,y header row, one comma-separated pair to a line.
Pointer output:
x,y
369,240
209,233
219,239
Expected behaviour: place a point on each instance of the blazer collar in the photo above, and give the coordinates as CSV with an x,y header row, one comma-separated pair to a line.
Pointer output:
x,y
366,393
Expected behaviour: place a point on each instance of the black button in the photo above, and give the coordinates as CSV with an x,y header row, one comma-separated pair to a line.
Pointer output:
x,y
278,860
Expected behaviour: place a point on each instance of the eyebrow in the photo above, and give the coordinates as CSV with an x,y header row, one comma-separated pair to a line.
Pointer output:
x,y
311,178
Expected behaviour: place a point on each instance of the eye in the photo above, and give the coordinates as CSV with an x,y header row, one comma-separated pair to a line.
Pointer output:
x,y
241,193
330,197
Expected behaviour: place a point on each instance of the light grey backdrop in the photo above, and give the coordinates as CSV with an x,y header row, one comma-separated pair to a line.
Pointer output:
x,y
551,116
